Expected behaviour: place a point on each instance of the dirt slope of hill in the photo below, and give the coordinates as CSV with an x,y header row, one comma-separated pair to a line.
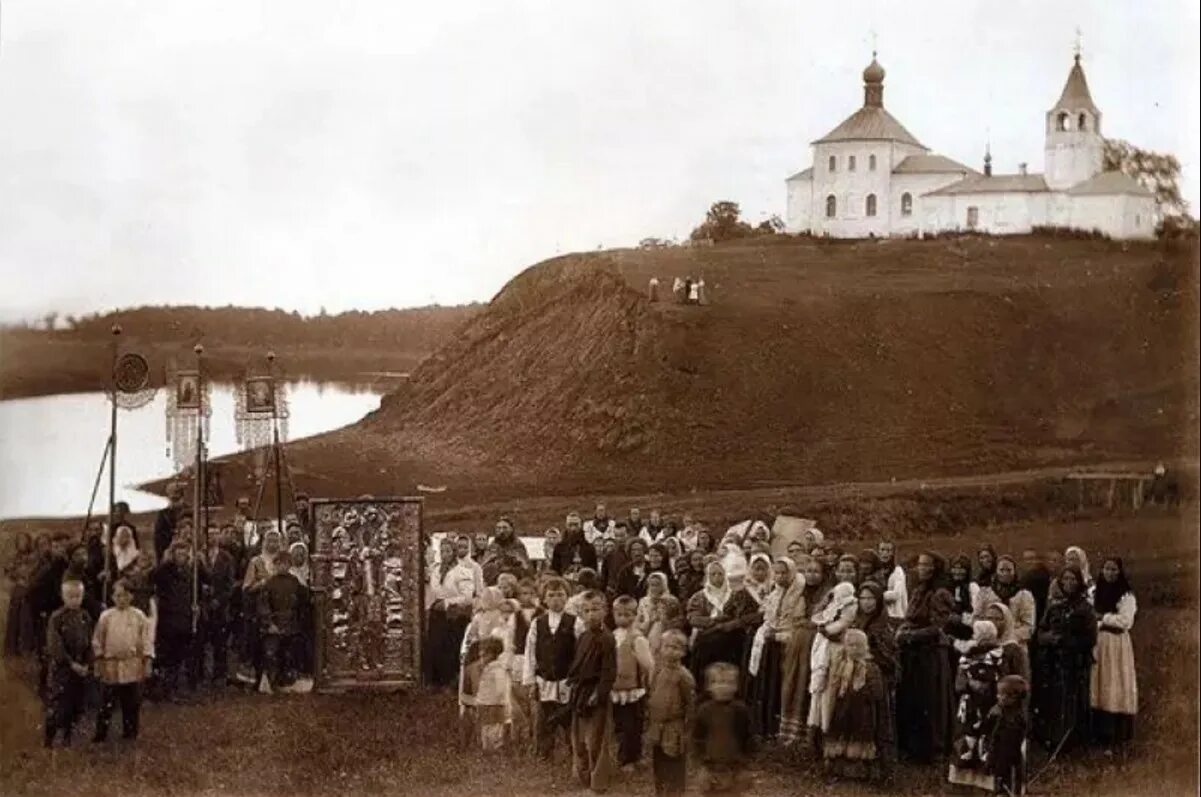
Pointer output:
x,y
814,362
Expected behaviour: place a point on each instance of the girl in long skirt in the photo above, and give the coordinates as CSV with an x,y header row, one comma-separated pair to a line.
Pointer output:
x,y
1066,638
860,720
924,696
1113,688
794,677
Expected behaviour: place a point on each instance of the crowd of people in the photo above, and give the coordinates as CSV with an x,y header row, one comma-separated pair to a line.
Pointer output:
x,y
108,618
637,639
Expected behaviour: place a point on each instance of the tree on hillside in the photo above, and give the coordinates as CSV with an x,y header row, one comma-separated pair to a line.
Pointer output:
x,y
51,320
1158,172
723,222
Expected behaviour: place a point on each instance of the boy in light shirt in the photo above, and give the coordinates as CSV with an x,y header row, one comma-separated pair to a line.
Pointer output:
x,y
123,644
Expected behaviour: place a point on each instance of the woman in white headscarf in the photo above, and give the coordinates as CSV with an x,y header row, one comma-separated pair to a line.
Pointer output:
x,y
759,581
721,615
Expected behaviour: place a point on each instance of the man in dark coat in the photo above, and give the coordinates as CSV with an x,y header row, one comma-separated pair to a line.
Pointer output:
x,y
505,554
573,552
176,640
167,519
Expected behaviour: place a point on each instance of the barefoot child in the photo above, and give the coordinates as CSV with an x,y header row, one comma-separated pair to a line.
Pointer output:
x,y
634,668
124,646
591,676
492,695
721,736
68,656
670,704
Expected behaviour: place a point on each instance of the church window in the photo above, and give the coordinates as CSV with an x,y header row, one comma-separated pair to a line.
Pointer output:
x,y
850,163
833,163
831,206
973,217
870,205
1062,124
906,204
1082,123
871,163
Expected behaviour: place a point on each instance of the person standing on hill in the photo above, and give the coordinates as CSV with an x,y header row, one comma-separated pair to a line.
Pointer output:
x,y
574,552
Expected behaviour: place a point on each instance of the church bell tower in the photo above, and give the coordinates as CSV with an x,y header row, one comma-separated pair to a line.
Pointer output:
x,y
1074,145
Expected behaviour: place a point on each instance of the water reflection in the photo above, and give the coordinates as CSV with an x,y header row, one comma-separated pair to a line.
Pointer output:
x,y
50,446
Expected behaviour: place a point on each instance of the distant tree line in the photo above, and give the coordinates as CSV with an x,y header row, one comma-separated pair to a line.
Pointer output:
x,y
421,328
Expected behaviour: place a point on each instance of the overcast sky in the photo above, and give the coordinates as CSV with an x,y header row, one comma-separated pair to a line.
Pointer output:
x,y
375,153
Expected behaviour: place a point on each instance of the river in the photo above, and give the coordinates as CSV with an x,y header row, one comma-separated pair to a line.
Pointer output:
x,y
50,446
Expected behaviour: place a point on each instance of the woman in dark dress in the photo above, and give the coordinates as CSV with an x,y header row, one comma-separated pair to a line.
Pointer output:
x,y
1066,637
691,575
721,615
783,613
926,690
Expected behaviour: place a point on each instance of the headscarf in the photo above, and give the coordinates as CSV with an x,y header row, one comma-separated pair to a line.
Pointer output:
x,y
123,557
717,596
864,621
842,596
1084,572
759,590
781,606
869,557
984,634
300,571
984,577
1009,637
733,561
1006,591
656,575
819,537
961,591
851,672
1081,590
1106,595
846,557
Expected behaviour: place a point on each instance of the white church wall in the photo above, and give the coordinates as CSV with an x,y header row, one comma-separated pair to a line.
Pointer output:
x,y
1118,216
799,213
917,186
851,188
1001,213
1071,157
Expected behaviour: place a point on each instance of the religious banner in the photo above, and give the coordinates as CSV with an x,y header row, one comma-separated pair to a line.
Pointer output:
x,y
189,405
368,585
260,403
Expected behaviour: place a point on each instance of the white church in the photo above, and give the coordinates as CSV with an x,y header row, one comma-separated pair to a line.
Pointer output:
x,y
871,177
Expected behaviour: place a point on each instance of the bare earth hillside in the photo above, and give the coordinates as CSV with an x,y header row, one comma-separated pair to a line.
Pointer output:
x,y
812,363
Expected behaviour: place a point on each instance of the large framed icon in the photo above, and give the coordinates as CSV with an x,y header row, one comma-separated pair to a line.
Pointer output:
x,y
368,591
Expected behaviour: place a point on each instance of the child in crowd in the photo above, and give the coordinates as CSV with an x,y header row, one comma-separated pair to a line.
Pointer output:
x,y
517,629
1006,748
722,739
585,579
507,584
68,657
550,649
634,668
280,601
492,694
669,616
853,745
656,591
591,676
123,645
670,704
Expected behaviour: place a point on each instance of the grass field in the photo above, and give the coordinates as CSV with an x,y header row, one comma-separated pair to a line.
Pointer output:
x,y
235,743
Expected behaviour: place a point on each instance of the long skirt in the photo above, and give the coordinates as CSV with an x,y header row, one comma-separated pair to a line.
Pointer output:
x,y
444,638
717,646
763,690
1113,686
924,701
1062,713
794,685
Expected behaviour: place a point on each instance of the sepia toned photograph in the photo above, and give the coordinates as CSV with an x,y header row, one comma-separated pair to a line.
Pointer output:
x,y
655,398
